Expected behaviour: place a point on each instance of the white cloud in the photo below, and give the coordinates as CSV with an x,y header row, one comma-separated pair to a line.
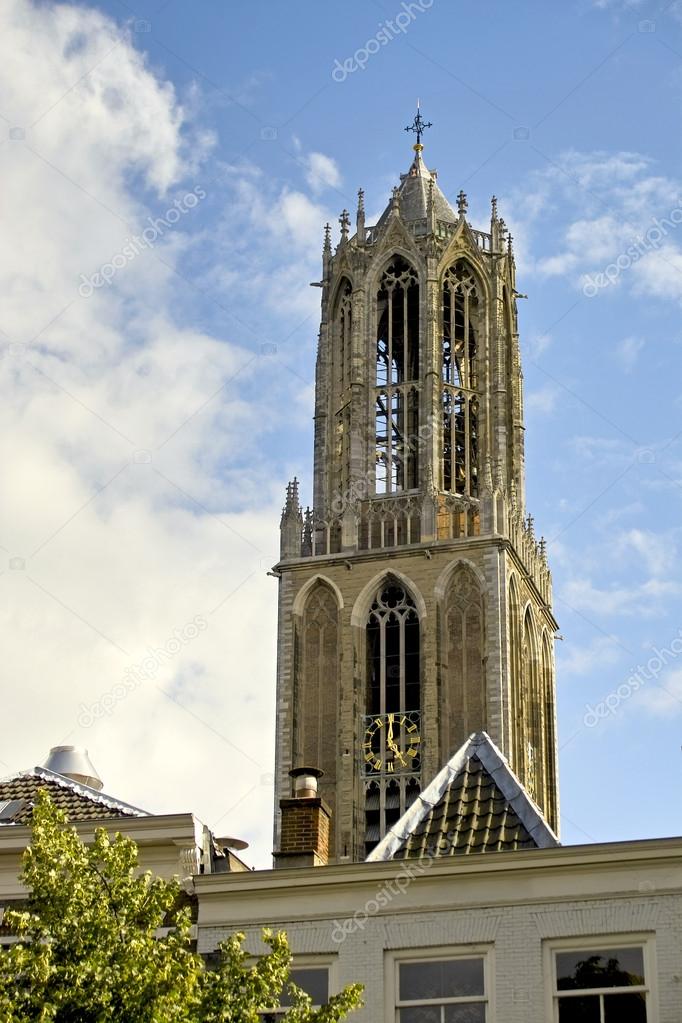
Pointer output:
x,y
586,660
663,699
537,344
627,352
602,450
642,599
656,552
659,273
543,400
133,462
625,4
270,245
615,220
322,172
557,266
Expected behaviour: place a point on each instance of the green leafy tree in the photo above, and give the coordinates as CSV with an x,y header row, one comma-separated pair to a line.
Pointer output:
x,y
88,950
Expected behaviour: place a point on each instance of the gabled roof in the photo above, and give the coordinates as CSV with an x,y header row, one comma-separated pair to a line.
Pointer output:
x,y
474,804
414,195
79,802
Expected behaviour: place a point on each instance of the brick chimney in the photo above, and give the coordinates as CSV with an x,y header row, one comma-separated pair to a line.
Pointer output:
x,y
304,839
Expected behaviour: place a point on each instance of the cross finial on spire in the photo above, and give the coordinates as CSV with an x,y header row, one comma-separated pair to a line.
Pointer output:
x,y
344,221
419,126
462,204
327,237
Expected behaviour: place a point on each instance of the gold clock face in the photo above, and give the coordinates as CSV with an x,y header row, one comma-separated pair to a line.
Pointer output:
x,y
392,743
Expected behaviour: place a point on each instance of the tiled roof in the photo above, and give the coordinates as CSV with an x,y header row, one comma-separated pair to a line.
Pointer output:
x,y
79,802
475,804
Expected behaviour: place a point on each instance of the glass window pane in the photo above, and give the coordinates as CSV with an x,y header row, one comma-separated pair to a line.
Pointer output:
x,y
465,1013
313,980
448,978
625,1008
420,1014
619,967
579,1010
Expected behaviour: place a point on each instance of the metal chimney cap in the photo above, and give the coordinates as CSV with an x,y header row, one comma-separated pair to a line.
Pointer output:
x,y
305,781
73,762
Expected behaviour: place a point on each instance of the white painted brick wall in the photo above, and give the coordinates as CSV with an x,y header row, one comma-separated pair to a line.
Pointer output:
x,y
517,934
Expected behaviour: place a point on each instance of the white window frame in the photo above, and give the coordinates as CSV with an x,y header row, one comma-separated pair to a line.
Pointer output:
x,y
308,962
394,959
592,943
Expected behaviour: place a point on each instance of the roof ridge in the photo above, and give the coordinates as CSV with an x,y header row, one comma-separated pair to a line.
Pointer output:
x,y
94,795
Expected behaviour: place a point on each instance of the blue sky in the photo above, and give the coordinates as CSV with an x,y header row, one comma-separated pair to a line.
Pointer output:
x,y
151,422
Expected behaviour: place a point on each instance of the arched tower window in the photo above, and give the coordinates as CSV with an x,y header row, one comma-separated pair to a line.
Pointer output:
x,y
533,752
316,711
391,743
397,365
460,404
343,328
463,644
342,332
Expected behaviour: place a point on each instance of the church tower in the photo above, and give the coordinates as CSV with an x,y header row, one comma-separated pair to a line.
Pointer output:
x,y
414,598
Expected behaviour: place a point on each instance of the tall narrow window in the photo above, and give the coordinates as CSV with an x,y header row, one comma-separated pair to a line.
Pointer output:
x,y
342,332
534,752
516,678
463,643
397,364
391,741
460,414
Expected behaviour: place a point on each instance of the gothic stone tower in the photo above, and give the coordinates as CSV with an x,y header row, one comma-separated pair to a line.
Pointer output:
x,y
414,601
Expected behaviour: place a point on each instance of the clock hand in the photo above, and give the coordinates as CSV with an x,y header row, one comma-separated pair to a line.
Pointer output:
x,y
396,751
